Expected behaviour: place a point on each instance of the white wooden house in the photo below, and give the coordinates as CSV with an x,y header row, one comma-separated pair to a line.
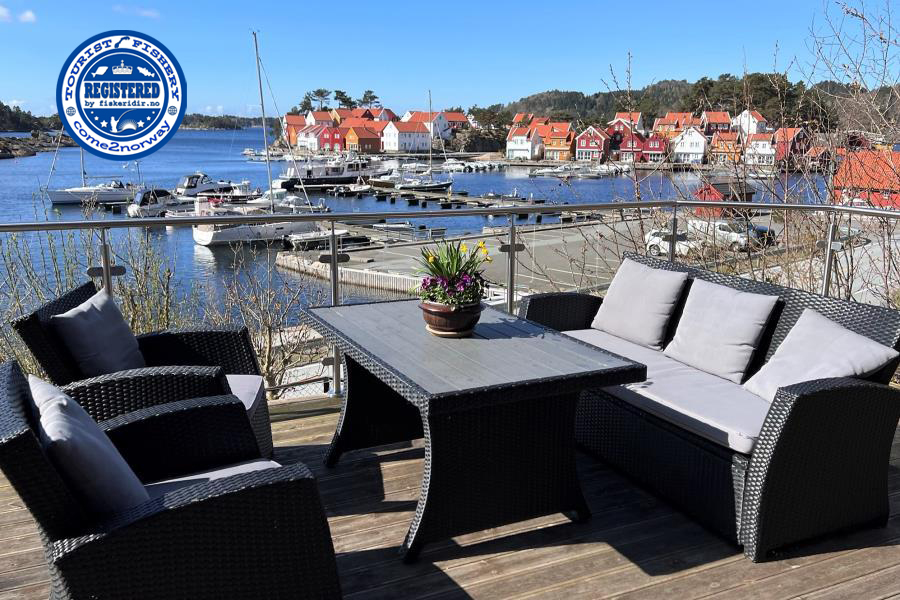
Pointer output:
x,y
689,147
406,136
749,122
523,143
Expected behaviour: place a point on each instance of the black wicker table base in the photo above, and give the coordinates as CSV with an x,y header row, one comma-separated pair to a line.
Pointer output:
x,y
486,466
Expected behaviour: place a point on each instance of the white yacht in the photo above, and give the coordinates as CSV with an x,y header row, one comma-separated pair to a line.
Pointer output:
x,y
193,184
101,193
153,202
218,235
335,171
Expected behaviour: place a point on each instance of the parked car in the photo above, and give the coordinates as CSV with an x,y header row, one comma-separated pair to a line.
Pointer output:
x,y
737,236
851,237
659,240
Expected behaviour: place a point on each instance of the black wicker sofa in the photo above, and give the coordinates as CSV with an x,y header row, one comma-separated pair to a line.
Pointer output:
x,y
817,462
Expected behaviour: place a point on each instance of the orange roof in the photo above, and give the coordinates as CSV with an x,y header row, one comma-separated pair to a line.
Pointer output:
x,y
455,116
321,115
725,136
359,112
422,116
523,118
384,113
343,113
592,130
786,134
630,118
517,131
354,121
761,137
869,170
758,116
717,117
816,151
410,126
365,132
295,120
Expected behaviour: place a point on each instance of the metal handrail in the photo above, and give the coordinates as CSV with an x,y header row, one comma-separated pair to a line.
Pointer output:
x,y
831,210
351,217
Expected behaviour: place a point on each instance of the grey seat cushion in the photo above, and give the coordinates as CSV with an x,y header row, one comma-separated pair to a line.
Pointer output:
x,y
706,405
720,329
816,348
250,390
97,337
161,488
82,452
639,303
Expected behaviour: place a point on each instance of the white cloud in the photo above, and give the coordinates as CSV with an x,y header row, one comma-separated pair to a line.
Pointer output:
x,y
220,109
138,11
4,14
27,17
16,102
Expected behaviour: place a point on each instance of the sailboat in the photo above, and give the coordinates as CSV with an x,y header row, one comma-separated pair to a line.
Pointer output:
x,y
422,183
213,235
108,192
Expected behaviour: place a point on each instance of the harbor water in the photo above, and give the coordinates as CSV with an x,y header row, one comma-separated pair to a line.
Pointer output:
x,y
218,154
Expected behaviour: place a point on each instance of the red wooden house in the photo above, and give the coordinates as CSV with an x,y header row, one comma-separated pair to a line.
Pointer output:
x,y
724,189
632,148
592,144
791,144
656,148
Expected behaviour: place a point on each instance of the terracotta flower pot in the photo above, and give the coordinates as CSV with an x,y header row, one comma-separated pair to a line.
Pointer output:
x,y
450,321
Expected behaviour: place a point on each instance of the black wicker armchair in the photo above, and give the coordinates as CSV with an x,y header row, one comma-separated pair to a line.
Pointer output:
x,y
180,364
257,534
819,464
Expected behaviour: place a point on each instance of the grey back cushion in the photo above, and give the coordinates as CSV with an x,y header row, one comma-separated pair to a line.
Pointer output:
x,y
97,337
639,303
720,329
84,455
815,348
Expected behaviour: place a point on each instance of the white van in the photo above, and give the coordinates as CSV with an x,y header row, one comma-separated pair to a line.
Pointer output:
x,y
733,235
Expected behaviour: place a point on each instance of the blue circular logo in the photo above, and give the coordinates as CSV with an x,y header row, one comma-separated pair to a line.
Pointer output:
x,y
121,95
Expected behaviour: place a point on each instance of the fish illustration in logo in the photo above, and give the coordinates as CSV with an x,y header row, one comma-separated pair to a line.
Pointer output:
x,y
99,71
146,72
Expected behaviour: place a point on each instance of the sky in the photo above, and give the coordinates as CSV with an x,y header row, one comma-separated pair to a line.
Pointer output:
x,y
466,52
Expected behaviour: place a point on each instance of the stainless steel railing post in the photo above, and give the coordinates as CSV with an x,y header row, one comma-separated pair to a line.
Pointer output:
x,y
106,262
829,255
511,266
674,232
335,301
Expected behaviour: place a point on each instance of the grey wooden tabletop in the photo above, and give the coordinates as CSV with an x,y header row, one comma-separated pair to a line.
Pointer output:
x,y
504,350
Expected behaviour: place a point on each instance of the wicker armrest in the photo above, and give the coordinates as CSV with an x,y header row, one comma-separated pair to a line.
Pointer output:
x,y
109,396
228,347
253,535
820,463
561,311
187,436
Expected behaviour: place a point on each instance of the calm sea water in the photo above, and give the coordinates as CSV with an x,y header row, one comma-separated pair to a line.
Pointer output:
x,y
218,154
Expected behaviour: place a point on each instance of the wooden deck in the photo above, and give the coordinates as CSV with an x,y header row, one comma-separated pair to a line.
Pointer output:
x,y
635,546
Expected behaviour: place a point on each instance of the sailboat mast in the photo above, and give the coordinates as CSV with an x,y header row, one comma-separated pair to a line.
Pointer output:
x,y
262,108
83,179
431,141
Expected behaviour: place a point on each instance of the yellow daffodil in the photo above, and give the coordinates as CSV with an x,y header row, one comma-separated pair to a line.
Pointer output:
x,y
431,259
484,250
481,244
464,248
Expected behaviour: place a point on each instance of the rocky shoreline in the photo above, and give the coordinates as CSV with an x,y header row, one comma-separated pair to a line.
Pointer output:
x,y
39,141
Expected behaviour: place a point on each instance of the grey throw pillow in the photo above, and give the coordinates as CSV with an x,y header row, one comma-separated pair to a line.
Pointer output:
x,y
639,303
97,337
720,329
816,348
84,455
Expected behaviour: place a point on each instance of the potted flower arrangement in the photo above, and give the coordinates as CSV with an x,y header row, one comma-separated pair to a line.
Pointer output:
x,y
452,287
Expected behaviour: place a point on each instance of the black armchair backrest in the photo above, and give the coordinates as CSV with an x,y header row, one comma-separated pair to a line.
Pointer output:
x,y
875,322
35,331
25,464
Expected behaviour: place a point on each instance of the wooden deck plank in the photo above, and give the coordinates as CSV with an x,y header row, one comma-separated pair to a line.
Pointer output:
x,y
635,546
